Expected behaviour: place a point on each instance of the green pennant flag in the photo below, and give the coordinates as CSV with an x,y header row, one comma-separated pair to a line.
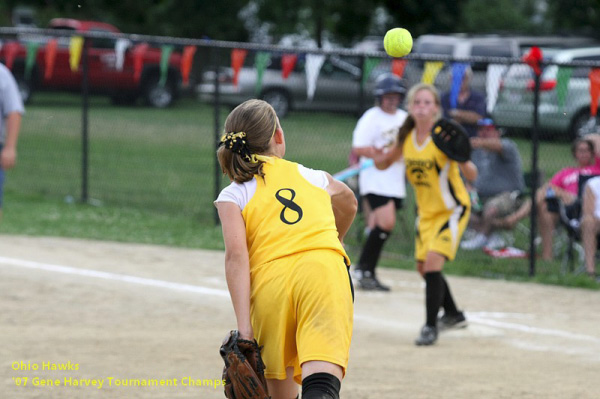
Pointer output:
x,y
260,63
562,84
368,66
32,49
164,63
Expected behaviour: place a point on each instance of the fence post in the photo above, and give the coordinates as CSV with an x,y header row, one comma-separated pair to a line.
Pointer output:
x,y
217,138
84,124
535,174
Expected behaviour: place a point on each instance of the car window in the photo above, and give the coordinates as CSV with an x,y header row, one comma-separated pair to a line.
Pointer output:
x,y
489,50
583,72
435,48
334,68
105,43
63,41
344,68
275,63
551,71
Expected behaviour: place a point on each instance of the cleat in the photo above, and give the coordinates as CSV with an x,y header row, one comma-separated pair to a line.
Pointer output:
x,y
369,282
455,321
428,336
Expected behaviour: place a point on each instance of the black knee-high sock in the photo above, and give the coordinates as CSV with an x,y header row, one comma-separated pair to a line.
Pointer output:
x,y
434,295
372,249
448,304
321,386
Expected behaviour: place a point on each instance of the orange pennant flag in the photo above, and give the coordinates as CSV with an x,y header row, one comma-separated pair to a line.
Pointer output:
x,y
288,62
138,60
398,66
187,59
50,57
10,52
594,90
237,61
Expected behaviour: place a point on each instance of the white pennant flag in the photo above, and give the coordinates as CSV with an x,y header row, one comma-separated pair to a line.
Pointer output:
x,y
120,46
493,77
314,62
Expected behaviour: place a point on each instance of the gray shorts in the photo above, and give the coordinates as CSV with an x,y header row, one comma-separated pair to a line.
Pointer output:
x,y
505,203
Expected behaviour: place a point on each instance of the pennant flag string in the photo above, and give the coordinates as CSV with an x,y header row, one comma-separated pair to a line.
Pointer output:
x,y
75,48
260,62
237,61
50,58
314,62
32,49
492,84
368,65
187,59
138,60
562,84
164,64
458,72
594,90
398,66
432,68
288,62
120,46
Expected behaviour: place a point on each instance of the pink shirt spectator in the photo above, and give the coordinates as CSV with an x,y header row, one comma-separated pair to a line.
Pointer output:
x,y
568,178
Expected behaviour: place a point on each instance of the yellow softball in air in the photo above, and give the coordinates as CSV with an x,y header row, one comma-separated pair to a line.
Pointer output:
x,y
397,42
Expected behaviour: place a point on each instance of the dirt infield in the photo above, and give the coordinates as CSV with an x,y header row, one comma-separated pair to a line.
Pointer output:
x,y
130,317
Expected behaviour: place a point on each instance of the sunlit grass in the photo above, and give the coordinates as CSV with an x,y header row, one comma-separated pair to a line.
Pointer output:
x,y
152,179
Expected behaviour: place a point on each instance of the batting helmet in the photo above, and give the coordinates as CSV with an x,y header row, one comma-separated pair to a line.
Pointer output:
x,y
388,83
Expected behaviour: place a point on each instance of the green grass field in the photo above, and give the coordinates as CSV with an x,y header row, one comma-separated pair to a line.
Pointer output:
x,y
152,179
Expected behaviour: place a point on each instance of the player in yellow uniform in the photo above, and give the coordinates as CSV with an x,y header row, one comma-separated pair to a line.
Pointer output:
x,y
443,205
286,268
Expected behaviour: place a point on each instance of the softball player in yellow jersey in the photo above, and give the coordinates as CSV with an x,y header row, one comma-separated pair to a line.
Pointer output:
x,y
443,205
286,268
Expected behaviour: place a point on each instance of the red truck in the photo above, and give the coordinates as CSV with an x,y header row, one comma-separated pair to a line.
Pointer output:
x,y
138,75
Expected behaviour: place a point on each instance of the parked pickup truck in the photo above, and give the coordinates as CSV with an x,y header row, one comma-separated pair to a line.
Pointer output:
x,y
122,84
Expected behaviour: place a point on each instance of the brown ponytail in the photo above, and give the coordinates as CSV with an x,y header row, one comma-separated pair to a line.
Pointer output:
x,y
257,120
405,129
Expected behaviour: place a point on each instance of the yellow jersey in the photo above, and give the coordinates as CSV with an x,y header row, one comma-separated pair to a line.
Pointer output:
x,y
287,215
436,179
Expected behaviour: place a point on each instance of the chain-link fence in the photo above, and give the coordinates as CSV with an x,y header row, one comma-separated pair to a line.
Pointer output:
x,y
133,120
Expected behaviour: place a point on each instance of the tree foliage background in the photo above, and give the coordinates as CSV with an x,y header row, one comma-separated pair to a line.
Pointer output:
x,y
341,21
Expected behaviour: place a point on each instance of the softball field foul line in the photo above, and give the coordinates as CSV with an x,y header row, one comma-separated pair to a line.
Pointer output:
x,y
225,294
113,276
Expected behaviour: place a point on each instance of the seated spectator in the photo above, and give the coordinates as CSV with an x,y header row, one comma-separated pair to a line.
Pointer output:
x,y
499,186
565,185
590,224
470,105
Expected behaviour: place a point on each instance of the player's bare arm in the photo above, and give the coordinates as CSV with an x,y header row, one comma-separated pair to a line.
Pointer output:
x,y
465,116
237,265
487,143
469,170
344,205
563,195
8,157
368,152
383,160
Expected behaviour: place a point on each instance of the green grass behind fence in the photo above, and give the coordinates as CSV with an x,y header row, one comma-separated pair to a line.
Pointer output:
x,y
152,179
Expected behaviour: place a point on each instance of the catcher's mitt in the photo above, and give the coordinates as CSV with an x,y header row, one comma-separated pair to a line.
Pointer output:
x,y
244,369
452,140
